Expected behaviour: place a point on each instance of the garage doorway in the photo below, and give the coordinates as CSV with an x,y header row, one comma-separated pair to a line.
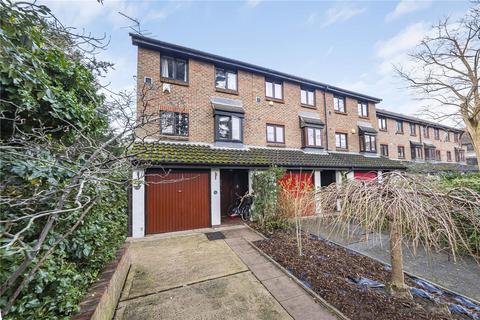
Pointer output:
x,y
177,200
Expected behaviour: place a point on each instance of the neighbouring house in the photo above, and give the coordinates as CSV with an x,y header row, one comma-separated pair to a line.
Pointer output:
x,y
218,120
470,155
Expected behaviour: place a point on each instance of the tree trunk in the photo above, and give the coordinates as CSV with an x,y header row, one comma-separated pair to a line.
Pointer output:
x,y
397,282
474,130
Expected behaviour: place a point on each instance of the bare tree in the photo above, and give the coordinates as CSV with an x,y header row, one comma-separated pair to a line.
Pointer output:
x,y
412,207
296,201
444,70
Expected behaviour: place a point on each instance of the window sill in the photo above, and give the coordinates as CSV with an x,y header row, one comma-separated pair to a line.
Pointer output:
x,y
383,130
413,135
229,141
364,117
401,158
178,82
276,144
369,152
226,91
274,100
173,137
341,149
308,106
312,147
342,113
399,133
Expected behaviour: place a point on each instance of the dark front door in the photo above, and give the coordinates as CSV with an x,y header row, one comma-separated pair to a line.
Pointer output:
x,y
327,177
233,184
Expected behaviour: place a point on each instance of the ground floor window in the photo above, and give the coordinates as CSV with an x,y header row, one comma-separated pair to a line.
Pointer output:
x,y
438,155
449,156
174,123
228,128
384,150
368,143
429,154
312,137
401,152
341,140
275,133
417,153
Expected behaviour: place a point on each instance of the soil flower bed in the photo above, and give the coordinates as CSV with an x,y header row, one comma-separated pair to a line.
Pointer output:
x,y
331,271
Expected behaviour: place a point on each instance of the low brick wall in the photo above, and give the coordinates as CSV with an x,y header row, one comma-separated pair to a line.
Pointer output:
x,y
102,297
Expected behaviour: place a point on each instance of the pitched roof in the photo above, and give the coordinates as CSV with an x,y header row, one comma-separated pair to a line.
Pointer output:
x,y
395,115
200,154
171,48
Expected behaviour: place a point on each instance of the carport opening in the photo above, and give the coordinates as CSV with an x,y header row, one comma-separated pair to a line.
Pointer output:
x,y
233,186
327,177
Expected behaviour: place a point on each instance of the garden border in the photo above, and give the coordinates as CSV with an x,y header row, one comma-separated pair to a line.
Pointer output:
x,y
405,272
315,296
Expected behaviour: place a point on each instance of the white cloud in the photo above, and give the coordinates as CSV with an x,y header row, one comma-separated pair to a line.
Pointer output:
x,y
341,14
253,3
407,6
311,19
395,50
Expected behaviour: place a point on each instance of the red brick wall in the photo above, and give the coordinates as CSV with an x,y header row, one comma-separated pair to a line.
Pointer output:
x,y
194,98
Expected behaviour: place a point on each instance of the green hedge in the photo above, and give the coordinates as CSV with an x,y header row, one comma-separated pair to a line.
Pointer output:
x,y
61,283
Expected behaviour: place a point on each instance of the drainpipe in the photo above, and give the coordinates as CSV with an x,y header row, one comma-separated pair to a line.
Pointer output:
x,y
326,116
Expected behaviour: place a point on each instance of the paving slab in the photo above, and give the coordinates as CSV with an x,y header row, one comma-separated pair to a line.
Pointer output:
x,y
172,262
283,288
239,296
299,307
187,277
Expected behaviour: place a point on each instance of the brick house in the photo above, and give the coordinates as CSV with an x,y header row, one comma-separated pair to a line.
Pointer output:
x,y
218,120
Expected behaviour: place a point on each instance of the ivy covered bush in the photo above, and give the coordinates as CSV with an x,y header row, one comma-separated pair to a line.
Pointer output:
x,y
63,206
266,190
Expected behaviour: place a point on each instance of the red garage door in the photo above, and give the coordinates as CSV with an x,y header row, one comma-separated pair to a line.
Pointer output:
x,y
179,200
365,175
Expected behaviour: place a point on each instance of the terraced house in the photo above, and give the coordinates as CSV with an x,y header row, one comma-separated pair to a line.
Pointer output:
x,y
221,119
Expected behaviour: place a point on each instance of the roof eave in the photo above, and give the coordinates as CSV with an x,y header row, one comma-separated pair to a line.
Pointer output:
x,y
150,43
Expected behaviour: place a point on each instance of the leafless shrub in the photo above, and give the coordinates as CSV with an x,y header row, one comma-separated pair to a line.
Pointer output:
x,y
412,207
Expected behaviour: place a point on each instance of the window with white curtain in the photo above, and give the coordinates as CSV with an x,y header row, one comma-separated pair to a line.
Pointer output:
x,y
339,104
307,97
274,89
313,137
174,68
275,133
341,140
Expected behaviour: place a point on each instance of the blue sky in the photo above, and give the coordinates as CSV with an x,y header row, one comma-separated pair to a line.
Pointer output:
x,y
348,44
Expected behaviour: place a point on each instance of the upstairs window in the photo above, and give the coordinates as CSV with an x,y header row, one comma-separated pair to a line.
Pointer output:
x,y
449,156
447,136
401,152
307,97
384,150
274,89
417,153
341,140
228,128
362,109
426,132
174,69
368,143
382,124
400,126
275,133
174,123
225,79
312,137
413,129
436,133
339,104
455,137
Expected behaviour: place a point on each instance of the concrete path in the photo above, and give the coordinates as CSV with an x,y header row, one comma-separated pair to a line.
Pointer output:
x,y
462,276
187,276
292,297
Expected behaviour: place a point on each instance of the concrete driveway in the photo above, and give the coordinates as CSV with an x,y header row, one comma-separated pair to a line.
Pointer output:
x,y
191,277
